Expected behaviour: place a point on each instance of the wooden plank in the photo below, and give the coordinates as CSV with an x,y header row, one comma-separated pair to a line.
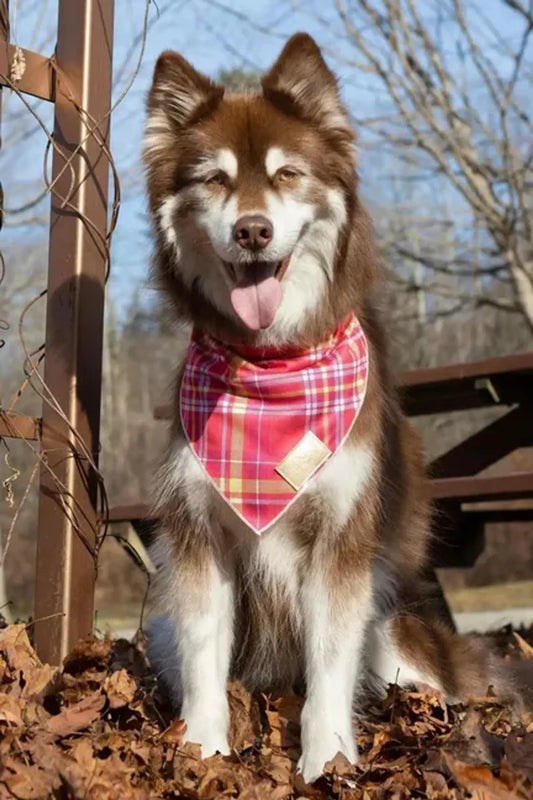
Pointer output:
x,y
516,363
513,364
486,446
492,515
475,489
19,426
505,380
39,75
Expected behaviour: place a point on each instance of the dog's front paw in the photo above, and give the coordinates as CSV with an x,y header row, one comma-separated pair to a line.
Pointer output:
x,y
210,734
319,746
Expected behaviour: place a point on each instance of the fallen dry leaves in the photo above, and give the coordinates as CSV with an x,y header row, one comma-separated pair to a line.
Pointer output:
x,y
98,729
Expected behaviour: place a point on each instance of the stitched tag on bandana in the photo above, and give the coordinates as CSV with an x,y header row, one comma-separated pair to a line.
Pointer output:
x,y
304,459
263,424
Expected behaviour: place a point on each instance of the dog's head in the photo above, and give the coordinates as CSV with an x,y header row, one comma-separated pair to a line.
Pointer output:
x,y
251,196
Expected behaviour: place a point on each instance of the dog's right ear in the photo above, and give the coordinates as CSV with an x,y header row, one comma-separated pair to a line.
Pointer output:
x,y
301,83
179,96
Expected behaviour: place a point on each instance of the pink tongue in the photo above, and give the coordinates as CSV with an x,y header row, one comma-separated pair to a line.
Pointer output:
x,y
257,303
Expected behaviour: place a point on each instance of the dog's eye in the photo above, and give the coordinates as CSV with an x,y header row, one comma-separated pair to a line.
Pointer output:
x,y
286,174
217,179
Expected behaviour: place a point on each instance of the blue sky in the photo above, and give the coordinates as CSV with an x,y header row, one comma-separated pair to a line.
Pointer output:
x,y
212,38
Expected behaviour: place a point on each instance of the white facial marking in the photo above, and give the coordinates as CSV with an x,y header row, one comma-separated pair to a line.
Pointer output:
x,y
218,218
289,216
275,159
182,237
311,268
223,160
227,162
165,214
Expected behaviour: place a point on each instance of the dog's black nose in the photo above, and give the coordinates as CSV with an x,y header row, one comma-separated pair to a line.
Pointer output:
x,y
253,231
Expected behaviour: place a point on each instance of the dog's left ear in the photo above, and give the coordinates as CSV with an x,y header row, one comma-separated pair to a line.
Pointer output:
x,y
301,83
179,97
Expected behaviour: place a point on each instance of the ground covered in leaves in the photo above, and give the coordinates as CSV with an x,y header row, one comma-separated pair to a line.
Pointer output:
x,y
98,729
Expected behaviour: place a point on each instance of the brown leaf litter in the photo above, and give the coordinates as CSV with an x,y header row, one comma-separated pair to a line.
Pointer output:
x,y
99,729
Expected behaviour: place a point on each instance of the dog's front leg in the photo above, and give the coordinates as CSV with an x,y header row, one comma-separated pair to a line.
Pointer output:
x,y
200,595
335,616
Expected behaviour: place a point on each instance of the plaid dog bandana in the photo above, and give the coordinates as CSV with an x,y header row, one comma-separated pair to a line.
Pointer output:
x,y
262,423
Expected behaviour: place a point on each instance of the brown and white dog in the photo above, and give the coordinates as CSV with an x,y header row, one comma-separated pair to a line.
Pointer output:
x,y
332,590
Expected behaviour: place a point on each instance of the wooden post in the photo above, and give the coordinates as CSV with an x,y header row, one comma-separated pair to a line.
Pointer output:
x,y
67,524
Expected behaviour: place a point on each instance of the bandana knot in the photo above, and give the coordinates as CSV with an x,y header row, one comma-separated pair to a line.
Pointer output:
x,y
262,423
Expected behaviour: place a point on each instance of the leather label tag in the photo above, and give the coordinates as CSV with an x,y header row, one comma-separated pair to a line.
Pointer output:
x,y
303,460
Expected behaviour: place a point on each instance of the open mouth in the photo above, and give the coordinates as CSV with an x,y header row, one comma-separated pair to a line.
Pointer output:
x,y
256,293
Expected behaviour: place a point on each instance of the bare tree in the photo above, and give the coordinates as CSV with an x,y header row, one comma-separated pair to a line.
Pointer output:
x,y
480,142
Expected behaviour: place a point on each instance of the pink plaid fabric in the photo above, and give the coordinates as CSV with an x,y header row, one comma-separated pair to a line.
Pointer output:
x,y
244,412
